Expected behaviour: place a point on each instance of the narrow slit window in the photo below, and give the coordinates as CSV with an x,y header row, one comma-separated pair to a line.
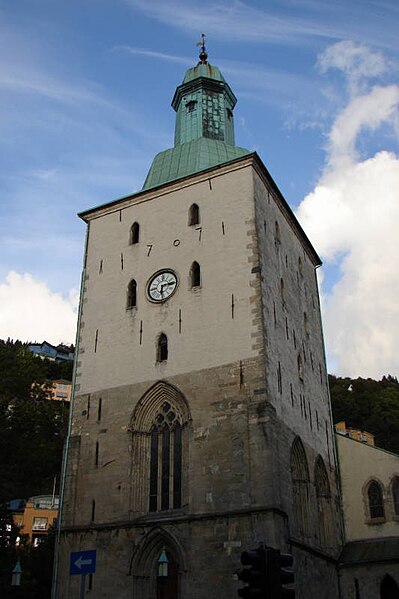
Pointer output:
x,y
162,355
300,368
195,275
132,295
277,239
134,233
194,215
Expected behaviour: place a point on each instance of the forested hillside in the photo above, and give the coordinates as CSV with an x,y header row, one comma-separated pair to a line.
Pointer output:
x,y
32,430
369,405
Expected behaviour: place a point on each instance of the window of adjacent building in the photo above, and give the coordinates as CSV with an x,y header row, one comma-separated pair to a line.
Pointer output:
x,y
166,460
134,233
395,495
194,215
131,295
39,523
162,350
195,275
375,500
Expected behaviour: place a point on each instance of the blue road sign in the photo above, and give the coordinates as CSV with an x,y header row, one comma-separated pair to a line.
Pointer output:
x,y
83,562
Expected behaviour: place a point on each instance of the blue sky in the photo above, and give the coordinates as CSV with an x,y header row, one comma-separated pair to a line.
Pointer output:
x,y
85,92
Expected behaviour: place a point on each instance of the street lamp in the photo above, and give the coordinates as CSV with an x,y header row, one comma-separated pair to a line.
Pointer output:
x,y
16,575
163,564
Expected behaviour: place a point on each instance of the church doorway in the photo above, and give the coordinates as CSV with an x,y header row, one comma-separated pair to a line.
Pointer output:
x,y
389,588
167,579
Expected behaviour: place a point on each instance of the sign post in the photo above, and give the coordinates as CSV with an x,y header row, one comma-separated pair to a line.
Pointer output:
x,y
82,563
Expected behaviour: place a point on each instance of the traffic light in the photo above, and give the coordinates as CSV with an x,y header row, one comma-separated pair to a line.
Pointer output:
x,y
286,576
254,575
279,573
267,575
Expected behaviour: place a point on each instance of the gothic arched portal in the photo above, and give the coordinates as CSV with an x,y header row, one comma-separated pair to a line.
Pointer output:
x,y
389,588
147,583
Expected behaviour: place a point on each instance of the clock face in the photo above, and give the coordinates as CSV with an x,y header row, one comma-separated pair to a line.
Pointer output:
x,y
161,286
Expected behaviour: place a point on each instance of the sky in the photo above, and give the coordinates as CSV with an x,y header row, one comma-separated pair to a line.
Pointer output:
x,y
85,93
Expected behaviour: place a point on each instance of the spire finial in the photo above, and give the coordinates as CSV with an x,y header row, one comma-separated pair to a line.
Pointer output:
x,y
203,54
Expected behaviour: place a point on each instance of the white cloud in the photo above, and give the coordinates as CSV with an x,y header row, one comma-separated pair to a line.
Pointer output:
x,y
30,311
358,62
352,217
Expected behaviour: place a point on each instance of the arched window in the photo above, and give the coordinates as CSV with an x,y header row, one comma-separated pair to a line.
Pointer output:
x,y
162,350
300,487
323,497
389,588
131,295
195,275
166,460
160,450
194,215
134,233
395,495
375,500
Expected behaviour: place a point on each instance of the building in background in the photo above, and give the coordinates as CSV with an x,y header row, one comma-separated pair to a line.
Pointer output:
x,y
201,424
369,563
52,352
354,433
35,516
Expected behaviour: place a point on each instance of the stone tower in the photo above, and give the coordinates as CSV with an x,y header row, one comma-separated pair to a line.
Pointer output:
x,y
201,419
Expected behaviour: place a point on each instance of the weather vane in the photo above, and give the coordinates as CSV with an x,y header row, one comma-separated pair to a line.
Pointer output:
x,y
203,55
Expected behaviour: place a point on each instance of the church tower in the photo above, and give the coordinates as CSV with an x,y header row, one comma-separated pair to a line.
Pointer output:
x,y
201,419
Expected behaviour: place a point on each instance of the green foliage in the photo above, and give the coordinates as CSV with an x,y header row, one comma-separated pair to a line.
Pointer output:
x,y
32,427
368,405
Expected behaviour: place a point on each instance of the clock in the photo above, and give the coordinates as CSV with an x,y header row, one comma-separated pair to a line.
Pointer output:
x,y
161,286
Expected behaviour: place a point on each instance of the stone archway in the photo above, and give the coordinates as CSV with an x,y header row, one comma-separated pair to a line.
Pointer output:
x,y
146,582
389,588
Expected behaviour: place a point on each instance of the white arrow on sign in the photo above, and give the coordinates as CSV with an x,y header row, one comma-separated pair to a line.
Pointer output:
x,y
82,562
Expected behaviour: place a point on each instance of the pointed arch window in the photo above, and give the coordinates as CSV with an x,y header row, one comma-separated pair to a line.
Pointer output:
x,y
162,349
166,460
395,495
300,487
195,275
131,295
324,506
375,500
194,215
134,233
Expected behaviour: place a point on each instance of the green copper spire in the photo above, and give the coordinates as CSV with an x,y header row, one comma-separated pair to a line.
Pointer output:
x,y
204,132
